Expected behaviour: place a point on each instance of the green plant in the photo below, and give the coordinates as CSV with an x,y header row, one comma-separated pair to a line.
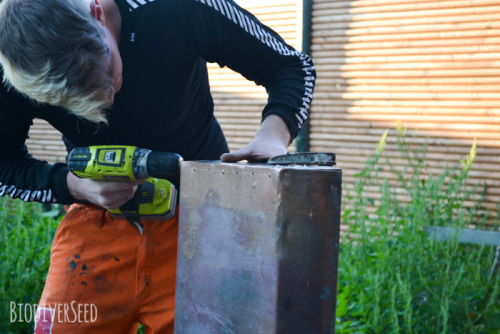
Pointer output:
x,y
26,232
394,278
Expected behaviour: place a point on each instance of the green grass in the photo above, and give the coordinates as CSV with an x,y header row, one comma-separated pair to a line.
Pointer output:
x,y
26,232
393,278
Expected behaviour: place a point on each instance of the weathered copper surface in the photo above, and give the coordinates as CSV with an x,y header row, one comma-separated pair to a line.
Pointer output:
x,y
258,248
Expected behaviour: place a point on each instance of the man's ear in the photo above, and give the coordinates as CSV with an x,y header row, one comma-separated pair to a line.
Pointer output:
x,y
97,11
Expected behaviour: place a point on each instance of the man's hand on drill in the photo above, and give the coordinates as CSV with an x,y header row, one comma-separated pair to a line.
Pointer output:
x,y
272,139
107,194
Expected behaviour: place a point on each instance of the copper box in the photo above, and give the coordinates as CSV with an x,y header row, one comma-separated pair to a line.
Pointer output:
x,y
258,248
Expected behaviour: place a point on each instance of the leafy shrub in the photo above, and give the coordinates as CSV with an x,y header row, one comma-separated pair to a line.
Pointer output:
x,y
394,278
26,233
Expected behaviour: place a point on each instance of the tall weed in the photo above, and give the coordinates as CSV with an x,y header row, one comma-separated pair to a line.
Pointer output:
x,y
26,232
394,278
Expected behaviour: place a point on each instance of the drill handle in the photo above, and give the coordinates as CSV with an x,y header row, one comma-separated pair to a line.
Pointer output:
x,y
163,164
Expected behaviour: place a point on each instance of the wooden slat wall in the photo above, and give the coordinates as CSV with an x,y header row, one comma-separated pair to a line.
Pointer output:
x,y
45,142
433,65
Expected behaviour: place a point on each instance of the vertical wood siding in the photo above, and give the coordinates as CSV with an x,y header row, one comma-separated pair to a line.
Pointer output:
x,y
432,65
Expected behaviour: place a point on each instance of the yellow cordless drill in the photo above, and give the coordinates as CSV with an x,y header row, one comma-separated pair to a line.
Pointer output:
x,y
154,200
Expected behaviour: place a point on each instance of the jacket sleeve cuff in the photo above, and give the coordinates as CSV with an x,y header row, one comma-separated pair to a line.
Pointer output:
x,y
61,192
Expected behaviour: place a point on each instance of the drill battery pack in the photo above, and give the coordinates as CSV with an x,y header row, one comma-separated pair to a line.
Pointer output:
x,y
155,199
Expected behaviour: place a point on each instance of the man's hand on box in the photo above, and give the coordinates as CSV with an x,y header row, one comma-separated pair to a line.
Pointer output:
x,y
272,139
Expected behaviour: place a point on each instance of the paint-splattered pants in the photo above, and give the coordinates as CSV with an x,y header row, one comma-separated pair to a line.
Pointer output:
x,y
107,277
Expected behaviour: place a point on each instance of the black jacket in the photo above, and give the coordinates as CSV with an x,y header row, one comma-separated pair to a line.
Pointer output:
x,y
165,102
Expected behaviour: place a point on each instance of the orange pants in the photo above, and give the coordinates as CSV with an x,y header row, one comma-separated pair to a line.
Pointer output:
x,y
107,277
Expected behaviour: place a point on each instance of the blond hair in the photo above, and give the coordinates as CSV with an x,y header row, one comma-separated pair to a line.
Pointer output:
x,y
53,52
